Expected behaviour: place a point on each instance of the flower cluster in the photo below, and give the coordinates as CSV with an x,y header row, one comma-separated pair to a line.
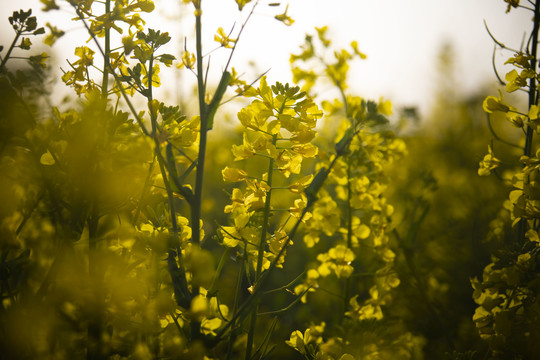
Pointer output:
x,y
278,126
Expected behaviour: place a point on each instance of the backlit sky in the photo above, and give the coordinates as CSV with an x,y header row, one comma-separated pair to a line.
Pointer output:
x,y
401,38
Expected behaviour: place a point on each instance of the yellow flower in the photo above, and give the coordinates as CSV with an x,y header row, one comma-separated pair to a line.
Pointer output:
x,y
298,342
47,159
256,194
242,3
516,81
277,240
188,60
288,163
284,18
384,106
155,76
199,306
209,326
241,152
342,257
520,60
489,163
354,45
224,39
237,201
306,150
298,208
231,238
233,174
302,183
86,56
491,104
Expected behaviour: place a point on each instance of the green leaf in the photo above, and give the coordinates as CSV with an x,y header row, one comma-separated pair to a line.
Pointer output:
x,y
214,104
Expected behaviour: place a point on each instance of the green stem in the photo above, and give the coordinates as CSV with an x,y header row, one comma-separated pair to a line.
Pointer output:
x,y
260,255
150,97
349,237
196,206
170,197
522,226
146,187
165,173
95,325
532,82
106,57
11,47
162,166
237,297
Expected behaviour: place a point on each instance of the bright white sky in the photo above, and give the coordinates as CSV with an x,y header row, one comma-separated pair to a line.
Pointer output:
x,y
401,38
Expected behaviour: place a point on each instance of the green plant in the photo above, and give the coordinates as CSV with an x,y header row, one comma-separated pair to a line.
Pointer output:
x,y
110,201
507,312
119,240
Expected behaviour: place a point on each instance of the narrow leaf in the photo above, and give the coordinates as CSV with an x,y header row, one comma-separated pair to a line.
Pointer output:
x,y
216,100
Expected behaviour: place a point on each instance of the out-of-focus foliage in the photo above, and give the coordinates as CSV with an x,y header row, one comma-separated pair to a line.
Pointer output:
x,y
444,210
506,293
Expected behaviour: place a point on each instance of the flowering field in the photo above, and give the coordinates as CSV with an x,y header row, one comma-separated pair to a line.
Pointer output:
x,y
316,226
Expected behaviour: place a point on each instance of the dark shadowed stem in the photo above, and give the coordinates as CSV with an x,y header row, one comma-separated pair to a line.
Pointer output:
x,y
106,55
11,47
237,296
95,325
262,244
349,237
522,226
203,131
145,189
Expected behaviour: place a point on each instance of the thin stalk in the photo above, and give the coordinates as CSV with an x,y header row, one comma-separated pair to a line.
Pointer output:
x,y
266,216
11,47
162,164
532,82
260,255
496,136
237,296
203,131
106,57
195,325
522,226
145,189
349,237
95,325
294,302
240,34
